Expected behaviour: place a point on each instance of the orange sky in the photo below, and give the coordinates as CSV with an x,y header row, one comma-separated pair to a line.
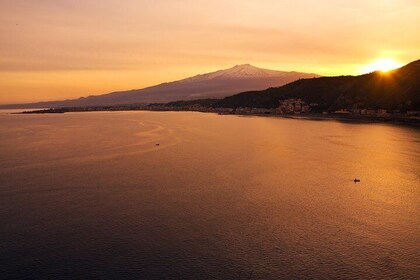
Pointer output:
x,y
55,49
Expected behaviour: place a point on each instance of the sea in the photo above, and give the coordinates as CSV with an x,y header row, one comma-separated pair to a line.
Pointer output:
x,y
188,195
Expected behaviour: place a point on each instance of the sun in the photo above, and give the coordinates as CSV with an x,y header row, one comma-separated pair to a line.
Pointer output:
x,y
383,65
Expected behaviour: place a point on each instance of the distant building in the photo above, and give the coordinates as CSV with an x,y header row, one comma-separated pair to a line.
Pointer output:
x,y
370,112
381,112
342,111
293,106
413,113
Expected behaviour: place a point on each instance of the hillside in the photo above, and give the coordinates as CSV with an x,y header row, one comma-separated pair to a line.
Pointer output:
x,y
395,90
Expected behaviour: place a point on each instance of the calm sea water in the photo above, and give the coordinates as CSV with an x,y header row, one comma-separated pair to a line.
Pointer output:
x,y
91,196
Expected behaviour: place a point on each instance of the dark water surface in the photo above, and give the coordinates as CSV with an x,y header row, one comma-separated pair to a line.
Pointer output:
x,y
91,196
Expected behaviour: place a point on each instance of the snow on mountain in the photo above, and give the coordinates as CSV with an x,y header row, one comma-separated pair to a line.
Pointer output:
x,y
239,72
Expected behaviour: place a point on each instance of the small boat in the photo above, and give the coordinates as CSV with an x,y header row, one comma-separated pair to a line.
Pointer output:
x,y
157,144
356,180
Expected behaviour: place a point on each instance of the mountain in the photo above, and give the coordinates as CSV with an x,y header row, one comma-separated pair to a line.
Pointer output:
x,y
398,89
217,84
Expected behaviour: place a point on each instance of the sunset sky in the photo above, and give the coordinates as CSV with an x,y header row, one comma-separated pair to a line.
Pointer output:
x,y
56,49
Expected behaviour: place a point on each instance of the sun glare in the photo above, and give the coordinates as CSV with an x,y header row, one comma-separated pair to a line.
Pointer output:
x,y
383,65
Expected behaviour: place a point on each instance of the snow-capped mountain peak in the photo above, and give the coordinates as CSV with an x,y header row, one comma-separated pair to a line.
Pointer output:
x,y
241,71
247,70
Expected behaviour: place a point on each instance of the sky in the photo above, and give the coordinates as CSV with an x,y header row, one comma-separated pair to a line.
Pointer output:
x,y
58,49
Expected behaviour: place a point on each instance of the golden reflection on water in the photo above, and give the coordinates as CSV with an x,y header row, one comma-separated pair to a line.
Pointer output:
x,y
270,196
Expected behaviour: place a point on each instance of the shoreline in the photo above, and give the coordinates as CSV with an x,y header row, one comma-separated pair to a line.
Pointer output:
x,y
352,119
308,116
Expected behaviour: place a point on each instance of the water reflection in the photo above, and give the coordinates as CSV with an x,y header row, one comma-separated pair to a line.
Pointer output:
x,y
220,197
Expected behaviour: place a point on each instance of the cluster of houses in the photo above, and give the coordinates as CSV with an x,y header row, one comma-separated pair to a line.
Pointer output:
x,y
364,112
286,107
292,106
376,113
295,106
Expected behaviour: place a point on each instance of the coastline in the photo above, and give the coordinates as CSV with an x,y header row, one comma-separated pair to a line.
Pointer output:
x,y
399,119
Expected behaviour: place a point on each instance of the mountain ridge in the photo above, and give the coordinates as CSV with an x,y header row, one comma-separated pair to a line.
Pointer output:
x,y
217,84
398,89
